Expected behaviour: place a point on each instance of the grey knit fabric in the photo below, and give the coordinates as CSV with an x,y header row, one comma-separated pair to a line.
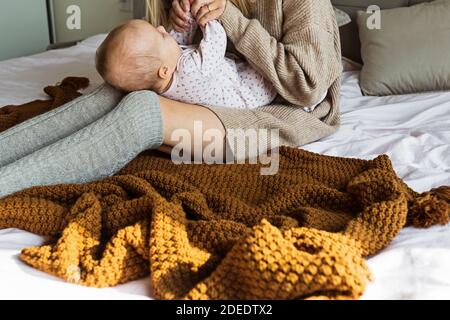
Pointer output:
x,y
96,151
47,128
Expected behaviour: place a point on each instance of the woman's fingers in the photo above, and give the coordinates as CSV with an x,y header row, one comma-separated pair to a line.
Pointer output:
x,y
178,24
178,17
207,10
203,11
178,10
196,5
186,5
210,16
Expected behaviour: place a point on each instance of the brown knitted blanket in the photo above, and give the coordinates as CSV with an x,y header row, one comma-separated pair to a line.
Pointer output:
x,y
225,231
59,94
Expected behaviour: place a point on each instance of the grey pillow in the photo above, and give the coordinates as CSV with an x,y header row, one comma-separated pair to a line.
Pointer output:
x,y
342,17
409,53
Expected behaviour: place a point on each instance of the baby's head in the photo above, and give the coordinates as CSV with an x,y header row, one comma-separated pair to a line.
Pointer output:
x,y
137,56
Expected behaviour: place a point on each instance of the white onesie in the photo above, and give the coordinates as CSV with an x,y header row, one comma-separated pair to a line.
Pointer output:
x,y
206,75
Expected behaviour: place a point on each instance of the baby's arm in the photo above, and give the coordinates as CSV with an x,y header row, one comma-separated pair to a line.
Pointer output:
x,y
212,48
186,37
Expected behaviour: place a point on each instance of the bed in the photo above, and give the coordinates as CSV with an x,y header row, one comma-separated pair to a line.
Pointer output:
x,y
414,130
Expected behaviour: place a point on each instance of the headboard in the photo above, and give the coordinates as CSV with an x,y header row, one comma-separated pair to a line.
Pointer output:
x,y
351,46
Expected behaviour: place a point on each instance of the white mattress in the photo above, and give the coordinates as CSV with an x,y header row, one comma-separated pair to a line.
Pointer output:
x,y
414,130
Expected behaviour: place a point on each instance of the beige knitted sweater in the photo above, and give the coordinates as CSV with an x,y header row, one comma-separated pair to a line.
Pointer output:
x,y
295,44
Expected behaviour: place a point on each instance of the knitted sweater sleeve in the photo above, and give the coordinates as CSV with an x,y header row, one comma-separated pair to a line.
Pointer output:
x,y
302,64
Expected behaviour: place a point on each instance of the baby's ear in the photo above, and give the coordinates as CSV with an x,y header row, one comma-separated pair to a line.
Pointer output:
x,y
164,72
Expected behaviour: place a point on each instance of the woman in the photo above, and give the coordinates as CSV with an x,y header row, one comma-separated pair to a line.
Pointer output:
x,y
293,43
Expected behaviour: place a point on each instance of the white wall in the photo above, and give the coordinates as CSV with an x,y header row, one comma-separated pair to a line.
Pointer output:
x,y
97,16
23,28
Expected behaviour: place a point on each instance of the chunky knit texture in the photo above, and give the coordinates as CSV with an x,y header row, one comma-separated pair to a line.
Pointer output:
x,y
225,231
59,94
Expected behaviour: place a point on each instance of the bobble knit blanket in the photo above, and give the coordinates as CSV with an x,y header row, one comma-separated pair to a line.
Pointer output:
x,y
59,94
225,231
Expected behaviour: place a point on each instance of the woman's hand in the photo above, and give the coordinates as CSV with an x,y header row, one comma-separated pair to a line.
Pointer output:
x,y
205,11
177,15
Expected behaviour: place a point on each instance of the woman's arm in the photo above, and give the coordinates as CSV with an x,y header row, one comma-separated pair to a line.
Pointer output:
x,y
303,63
296,127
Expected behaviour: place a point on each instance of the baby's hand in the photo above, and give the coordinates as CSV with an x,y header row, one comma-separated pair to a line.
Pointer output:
x,y
206,11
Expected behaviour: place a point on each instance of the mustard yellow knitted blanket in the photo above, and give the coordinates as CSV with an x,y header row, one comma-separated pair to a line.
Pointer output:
x,y
225,231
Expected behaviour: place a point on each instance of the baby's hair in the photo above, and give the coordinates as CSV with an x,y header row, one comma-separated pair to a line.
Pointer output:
x,y
139,70
100,61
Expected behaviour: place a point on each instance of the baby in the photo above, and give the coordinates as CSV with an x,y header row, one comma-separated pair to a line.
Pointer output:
x,y
138,56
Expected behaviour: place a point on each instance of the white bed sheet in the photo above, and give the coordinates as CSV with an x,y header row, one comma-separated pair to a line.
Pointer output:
x,y
414,130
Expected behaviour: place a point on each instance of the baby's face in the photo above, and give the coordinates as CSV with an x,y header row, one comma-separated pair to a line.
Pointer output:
x,y
155,41
168,45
